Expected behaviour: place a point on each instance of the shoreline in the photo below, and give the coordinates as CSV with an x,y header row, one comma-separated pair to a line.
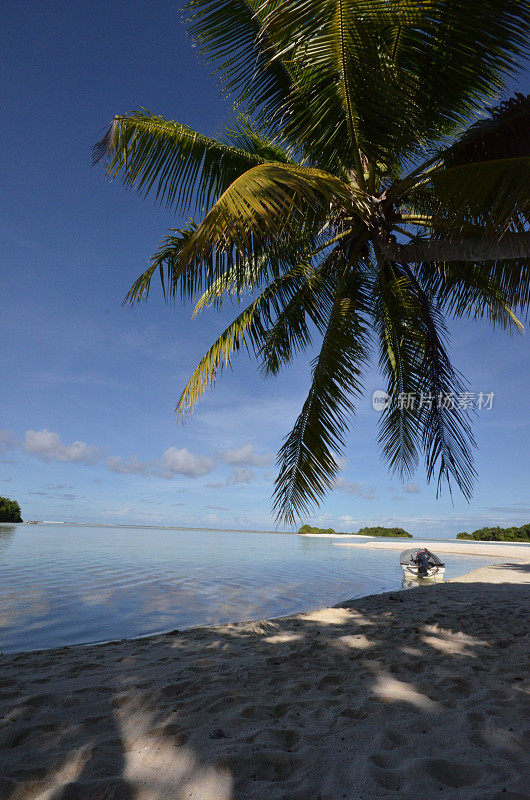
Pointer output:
x,y
406,691
341,536
143,527
465,547
183,631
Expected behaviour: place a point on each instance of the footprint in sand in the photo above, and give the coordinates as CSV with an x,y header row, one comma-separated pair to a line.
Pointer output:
x,y
174,690
263,712
456,685
172,731
354,713
120,700
80,669
114,788
392,738
95,690
30,774
256,712
414,666
387,778
383,760
453,774
38,700
222,703
272,766
475,718
303,686
286,737
14,739
329,681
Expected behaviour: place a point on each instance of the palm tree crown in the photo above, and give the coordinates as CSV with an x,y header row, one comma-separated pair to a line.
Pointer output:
x,y
362,193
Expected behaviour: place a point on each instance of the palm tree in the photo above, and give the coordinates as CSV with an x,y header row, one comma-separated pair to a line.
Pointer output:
x,y
362,193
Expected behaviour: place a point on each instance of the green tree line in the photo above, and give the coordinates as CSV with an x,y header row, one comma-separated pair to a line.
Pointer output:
x,y
9,510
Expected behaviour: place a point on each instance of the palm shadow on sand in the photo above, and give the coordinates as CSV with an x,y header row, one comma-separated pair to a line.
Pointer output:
x,y
410,692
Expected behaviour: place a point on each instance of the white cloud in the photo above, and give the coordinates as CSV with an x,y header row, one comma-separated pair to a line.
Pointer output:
x,y
7,441
47,446
246,456
131,466
354,487
182,462
235,476
240,475
412,488
173,462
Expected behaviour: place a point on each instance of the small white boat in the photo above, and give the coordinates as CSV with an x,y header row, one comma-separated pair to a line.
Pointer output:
x,y
419,562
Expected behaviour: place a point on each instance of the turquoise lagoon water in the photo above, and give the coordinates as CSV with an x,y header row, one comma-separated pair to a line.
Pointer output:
x,y
69,584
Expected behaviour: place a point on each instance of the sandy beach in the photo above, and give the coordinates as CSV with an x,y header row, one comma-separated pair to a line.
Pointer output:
x,y
464,547
414,694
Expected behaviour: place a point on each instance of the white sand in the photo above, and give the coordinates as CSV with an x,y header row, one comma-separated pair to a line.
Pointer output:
x,y
335,536
462,547
418,694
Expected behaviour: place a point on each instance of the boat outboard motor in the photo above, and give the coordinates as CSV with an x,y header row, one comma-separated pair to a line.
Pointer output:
x,y
422,559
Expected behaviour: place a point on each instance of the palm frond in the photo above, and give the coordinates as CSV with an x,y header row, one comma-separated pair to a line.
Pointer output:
x,y
447,439
474,291
424,414
339,100
334,112
312,303
231,36
400,361
505,134
247,330
513,279
244,134
401,74
164,265
308,459
479,184
262,206
180,167
494,195
246,274
239,277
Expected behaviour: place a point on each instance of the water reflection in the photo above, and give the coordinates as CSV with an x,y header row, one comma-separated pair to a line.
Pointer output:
x,y
412,583
6,534
62,584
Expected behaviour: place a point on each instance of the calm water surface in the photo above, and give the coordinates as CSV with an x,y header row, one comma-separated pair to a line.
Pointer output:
x,y
69,584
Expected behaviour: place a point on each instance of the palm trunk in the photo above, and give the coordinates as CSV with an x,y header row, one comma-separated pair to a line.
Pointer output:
x,y
510,246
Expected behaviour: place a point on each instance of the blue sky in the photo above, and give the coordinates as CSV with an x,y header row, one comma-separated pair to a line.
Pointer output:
x,y
88,431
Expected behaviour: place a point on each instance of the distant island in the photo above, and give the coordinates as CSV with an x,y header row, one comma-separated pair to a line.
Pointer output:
x,y
377,531
496,534
9,510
